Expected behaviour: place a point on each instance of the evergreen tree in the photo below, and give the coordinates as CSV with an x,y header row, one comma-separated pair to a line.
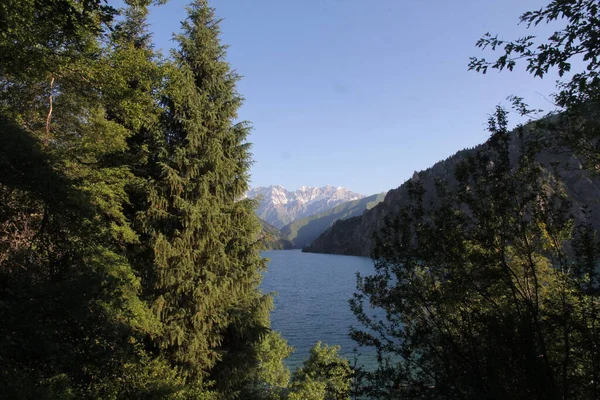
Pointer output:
x,y
204,253
73,319
129,264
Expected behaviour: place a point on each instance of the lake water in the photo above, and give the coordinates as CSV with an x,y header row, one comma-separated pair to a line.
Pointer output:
x,y
311,304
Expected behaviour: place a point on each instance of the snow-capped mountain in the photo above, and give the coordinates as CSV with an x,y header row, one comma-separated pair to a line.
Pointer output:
x,y
279,206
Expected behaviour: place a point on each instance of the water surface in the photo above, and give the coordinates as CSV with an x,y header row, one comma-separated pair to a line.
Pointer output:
x,y
311,304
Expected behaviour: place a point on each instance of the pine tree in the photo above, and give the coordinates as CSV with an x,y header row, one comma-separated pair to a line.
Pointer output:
x,y
204,252
129,265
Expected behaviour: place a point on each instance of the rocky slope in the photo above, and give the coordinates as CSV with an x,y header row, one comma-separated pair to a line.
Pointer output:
x,y
354,236
304,231
280,207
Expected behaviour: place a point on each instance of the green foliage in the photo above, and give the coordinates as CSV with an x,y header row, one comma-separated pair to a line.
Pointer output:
x,y
206,265
270,380
486,289
478,292
324,376
309,390
73,318
578,96
39,38
128,269
71,313
578,38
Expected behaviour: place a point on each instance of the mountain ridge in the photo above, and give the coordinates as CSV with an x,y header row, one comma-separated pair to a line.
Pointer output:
x,y
304,231
354,236
279,206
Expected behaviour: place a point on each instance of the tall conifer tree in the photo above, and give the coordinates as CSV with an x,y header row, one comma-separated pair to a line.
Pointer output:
x,y
128,266
207,265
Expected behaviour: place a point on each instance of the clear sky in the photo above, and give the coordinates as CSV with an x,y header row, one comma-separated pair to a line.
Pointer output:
x,y
359,93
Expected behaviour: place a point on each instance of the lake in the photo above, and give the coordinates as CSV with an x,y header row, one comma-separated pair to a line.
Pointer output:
x,y
311,304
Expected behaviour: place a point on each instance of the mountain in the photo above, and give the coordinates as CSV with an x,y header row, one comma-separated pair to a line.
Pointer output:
x,y
280,207
272,239
304,231
354,236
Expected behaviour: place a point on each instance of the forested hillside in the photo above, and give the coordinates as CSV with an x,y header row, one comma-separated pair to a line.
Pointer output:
x,y
272,239
304,231
355,236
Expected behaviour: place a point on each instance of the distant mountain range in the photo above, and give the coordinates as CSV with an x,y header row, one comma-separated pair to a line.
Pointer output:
x,y
280,207
303,231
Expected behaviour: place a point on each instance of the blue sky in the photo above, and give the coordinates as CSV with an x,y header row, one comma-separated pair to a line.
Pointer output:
x,y
361,94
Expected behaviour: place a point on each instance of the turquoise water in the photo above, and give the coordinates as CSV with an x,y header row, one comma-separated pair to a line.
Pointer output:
x,y
312,300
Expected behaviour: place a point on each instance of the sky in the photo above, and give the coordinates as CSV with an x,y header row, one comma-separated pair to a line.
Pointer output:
x,y
358,93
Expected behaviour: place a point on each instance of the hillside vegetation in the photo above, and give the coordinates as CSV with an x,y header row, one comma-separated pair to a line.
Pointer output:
x,y
486,281
304,231
272,239
355,236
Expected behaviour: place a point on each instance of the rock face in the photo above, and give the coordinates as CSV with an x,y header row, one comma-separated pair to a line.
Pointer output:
x,y
280,207
354,236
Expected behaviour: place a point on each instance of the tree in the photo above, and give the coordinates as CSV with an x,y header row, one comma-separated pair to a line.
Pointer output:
x,y
201,236
576,126
129,264
74,318
43,37
578,96
579,38
477,286
481,278
324,376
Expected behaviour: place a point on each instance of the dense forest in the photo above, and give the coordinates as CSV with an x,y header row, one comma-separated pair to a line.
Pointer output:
x,y
129,266
129,259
